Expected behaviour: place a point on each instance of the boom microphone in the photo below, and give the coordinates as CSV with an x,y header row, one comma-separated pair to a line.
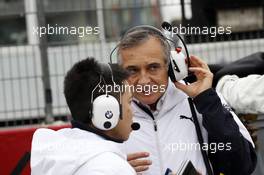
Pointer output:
x,y
135,126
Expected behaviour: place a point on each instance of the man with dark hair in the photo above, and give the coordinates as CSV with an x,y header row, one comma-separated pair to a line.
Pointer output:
x,y
168,135
91,146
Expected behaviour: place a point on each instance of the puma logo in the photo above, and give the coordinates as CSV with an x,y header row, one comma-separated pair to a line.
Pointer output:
x,y
184,117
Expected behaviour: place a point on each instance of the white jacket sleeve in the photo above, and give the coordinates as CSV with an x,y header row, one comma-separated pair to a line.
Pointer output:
x,y
245,95
106,163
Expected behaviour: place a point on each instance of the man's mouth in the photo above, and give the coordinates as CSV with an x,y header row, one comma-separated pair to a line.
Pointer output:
x,y
146,93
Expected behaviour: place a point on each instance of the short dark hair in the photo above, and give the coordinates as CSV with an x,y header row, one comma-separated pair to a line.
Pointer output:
x,y
140,35
79,83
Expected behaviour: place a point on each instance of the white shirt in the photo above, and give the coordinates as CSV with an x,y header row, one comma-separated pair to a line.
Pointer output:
x,y
245,95
75,151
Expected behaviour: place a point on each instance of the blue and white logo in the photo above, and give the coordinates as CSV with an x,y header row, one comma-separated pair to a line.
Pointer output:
x,y
108,114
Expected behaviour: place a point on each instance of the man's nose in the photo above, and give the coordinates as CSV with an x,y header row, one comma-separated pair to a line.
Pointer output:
x,y
144,78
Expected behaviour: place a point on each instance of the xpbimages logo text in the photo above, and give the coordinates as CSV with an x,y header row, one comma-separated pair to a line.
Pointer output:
x,y
80,31
210,147
146,89
194,30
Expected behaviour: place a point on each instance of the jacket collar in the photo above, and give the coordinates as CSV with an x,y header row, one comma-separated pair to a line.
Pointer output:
x,y
171,97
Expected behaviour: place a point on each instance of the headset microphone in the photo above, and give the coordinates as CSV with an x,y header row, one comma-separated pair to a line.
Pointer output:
x,y
135,126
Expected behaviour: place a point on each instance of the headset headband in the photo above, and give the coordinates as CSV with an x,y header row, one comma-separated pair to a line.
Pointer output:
x,y
144,27
166,26
106,74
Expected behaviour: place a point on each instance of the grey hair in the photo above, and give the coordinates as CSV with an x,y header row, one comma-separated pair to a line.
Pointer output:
x,y
139,36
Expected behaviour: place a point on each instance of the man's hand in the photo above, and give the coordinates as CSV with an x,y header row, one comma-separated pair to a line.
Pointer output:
x,y
204,78
136,161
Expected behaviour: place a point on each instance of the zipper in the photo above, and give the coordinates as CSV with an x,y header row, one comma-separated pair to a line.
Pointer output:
x,y
155,125
158,145
147,111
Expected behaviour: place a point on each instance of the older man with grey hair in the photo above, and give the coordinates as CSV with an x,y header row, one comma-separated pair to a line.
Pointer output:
x,y
168,136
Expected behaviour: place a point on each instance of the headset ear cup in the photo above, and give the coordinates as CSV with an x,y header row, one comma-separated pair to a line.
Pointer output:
x,y
178,69
106,112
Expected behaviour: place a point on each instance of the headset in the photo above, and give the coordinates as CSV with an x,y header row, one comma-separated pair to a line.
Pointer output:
x,y
177,67
106,109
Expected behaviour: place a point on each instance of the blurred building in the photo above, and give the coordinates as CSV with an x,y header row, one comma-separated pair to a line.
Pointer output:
x,y
32,68
117,17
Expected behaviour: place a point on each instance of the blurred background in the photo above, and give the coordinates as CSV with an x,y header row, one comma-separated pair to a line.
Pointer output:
x,y
32,68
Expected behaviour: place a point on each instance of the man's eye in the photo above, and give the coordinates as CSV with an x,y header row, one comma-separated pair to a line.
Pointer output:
x,y
132,71
154,67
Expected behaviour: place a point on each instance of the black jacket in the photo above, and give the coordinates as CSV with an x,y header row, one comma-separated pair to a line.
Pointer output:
x,y
252,64
222,129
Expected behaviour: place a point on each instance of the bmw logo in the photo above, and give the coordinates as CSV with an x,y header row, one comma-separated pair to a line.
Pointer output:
x,y
108,114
